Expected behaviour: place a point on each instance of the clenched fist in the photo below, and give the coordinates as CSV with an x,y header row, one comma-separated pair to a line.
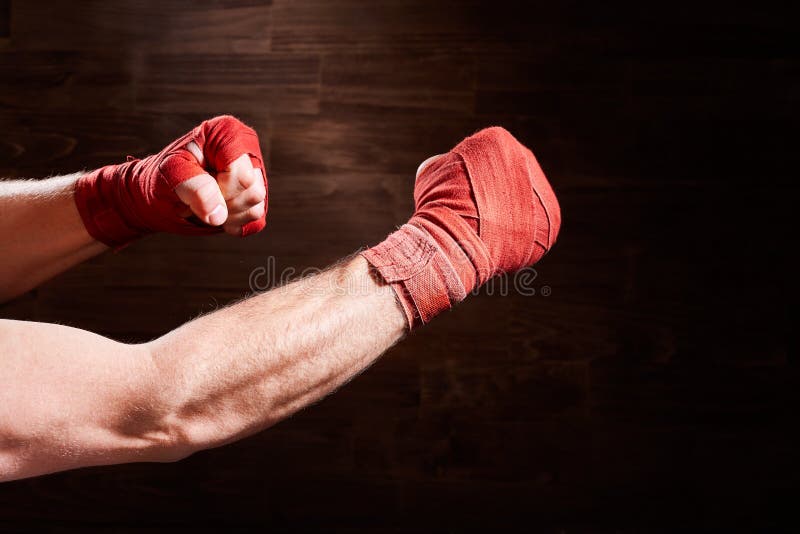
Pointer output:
x,y
210,180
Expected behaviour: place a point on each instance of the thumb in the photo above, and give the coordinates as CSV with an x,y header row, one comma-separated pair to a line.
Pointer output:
x,y
193,185
203,196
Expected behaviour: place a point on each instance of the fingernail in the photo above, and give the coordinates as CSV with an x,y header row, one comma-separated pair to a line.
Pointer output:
x,y
217,216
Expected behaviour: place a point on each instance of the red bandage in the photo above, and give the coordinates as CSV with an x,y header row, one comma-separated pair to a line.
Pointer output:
x,y
120,203
483,209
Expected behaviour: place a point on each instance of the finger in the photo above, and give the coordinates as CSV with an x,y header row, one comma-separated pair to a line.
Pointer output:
x,y
249,197
224,139
237,177
203,196
180,165
227,144
253,227
251,214
192,147
233,230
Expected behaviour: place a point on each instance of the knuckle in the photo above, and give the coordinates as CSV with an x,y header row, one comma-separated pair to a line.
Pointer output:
x,y
224,121
255,194
257,211
230,123
207,193
244,172
232,229
260,183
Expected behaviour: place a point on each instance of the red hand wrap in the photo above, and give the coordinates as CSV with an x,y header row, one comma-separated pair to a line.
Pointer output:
x,y
483,209
120,203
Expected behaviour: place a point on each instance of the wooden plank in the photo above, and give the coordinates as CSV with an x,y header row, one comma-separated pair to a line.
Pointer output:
x,y
185,26
662,356
5,19
353,25
66,80
228,83
352,140
443,83
38,142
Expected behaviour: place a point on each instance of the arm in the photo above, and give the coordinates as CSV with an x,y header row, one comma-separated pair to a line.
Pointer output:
x,y
33,253
47,226
69,398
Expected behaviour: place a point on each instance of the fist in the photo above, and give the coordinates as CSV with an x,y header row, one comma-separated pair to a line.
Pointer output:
x,y
219,175
210,180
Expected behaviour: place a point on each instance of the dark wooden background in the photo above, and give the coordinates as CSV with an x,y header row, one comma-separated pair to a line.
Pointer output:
x,y
655,388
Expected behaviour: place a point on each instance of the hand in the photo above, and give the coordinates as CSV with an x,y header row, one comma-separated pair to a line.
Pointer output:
x,y
211,179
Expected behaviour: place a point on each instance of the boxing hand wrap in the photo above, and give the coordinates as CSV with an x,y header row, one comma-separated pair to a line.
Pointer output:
x,y
120,203
483,209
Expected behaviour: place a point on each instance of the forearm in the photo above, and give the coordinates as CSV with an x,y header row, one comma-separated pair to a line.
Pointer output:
x,y
242,369
41,233
69,398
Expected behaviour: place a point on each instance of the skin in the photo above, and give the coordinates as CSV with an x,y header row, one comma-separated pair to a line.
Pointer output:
x,y
37,255
70,398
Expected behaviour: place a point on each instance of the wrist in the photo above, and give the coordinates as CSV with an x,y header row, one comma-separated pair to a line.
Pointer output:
x,y
99,196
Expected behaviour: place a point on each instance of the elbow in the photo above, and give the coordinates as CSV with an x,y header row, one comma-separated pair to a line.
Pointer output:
x,y
190,413
12,451
13,465
167,451
178,436
159,440
172,440
144,421
7,467
156,437
158,422
14,457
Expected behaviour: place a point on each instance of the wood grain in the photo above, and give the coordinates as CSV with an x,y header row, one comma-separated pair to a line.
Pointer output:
x,y
649,381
